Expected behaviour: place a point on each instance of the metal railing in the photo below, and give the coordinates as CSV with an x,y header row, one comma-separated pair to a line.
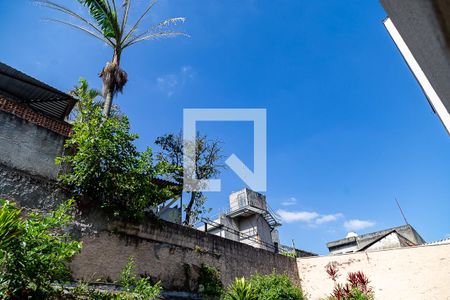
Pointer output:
x,y
241,235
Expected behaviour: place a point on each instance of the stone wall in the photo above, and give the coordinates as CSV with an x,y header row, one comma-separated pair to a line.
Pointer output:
x,y
173,254
29,191
421,272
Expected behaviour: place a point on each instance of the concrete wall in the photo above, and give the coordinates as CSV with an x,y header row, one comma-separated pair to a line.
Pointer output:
x,y
173,254
28,147
421,272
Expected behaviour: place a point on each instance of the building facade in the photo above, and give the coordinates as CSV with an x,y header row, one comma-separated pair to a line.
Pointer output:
x,y
249,220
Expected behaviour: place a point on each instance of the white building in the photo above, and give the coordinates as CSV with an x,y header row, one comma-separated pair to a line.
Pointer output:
x,y
401,236
249,220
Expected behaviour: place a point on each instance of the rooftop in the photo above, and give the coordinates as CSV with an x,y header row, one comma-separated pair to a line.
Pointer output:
x,y
34,94
365,240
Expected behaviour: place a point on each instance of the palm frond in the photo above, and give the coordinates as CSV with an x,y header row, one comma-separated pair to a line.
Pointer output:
x,y
126,9
102,14
100,37
155,36
138,22
161,25
63,9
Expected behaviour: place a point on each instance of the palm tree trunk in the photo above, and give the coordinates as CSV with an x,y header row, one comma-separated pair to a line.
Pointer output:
x,y
109,81
108,102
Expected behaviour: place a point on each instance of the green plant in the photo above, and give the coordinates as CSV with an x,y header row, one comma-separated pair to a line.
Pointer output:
x,y
134,287
210,283
241,289
109,24
106,169
9,224
264,287
289,254
37,257
275,287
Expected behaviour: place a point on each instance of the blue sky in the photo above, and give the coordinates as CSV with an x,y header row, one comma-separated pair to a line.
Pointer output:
x,y
349,129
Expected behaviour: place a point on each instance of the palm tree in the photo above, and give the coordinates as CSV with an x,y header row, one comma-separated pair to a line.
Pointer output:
x,y
109,24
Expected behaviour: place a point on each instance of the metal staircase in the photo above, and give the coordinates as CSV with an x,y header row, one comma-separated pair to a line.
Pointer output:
x,y
271,218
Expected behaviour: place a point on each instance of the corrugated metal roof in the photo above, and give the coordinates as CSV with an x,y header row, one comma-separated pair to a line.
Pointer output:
x,y
440,242
22,88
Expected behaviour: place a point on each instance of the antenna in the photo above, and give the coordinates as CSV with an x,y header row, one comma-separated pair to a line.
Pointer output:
x,y
401,211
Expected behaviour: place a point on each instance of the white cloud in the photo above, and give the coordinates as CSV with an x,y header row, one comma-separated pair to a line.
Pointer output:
x,y
356,224
289,202
170,83
311,217
167,84
297,216
328,218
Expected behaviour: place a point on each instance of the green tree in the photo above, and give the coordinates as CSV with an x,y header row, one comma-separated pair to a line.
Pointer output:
x,y
207,165
37,256
84,94
109,23
105,168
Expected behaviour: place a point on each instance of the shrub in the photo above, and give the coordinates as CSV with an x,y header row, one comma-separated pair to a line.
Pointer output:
x,y
356,288
36,258
137,288
241,289
275,287
132,288
104,166
264,287
289,254
210,283
9,224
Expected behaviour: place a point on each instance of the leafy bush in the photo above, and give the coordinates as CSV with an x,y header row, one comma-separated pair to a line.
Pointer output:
x,y
289,254
356,288
138,288
210,283
264,287
241,289
37,256
105,167
9,224
275,287
132,288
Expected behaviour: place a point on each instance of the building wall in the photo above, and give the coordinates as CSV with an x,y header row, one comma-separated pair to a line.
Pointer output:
x,y
28,147
421,272
173,254
418,23
388,242
346,248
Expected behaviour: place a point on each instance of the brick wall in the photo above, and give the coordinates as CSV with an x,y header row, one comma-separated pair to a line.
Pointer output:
x,y
34,117
173,254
